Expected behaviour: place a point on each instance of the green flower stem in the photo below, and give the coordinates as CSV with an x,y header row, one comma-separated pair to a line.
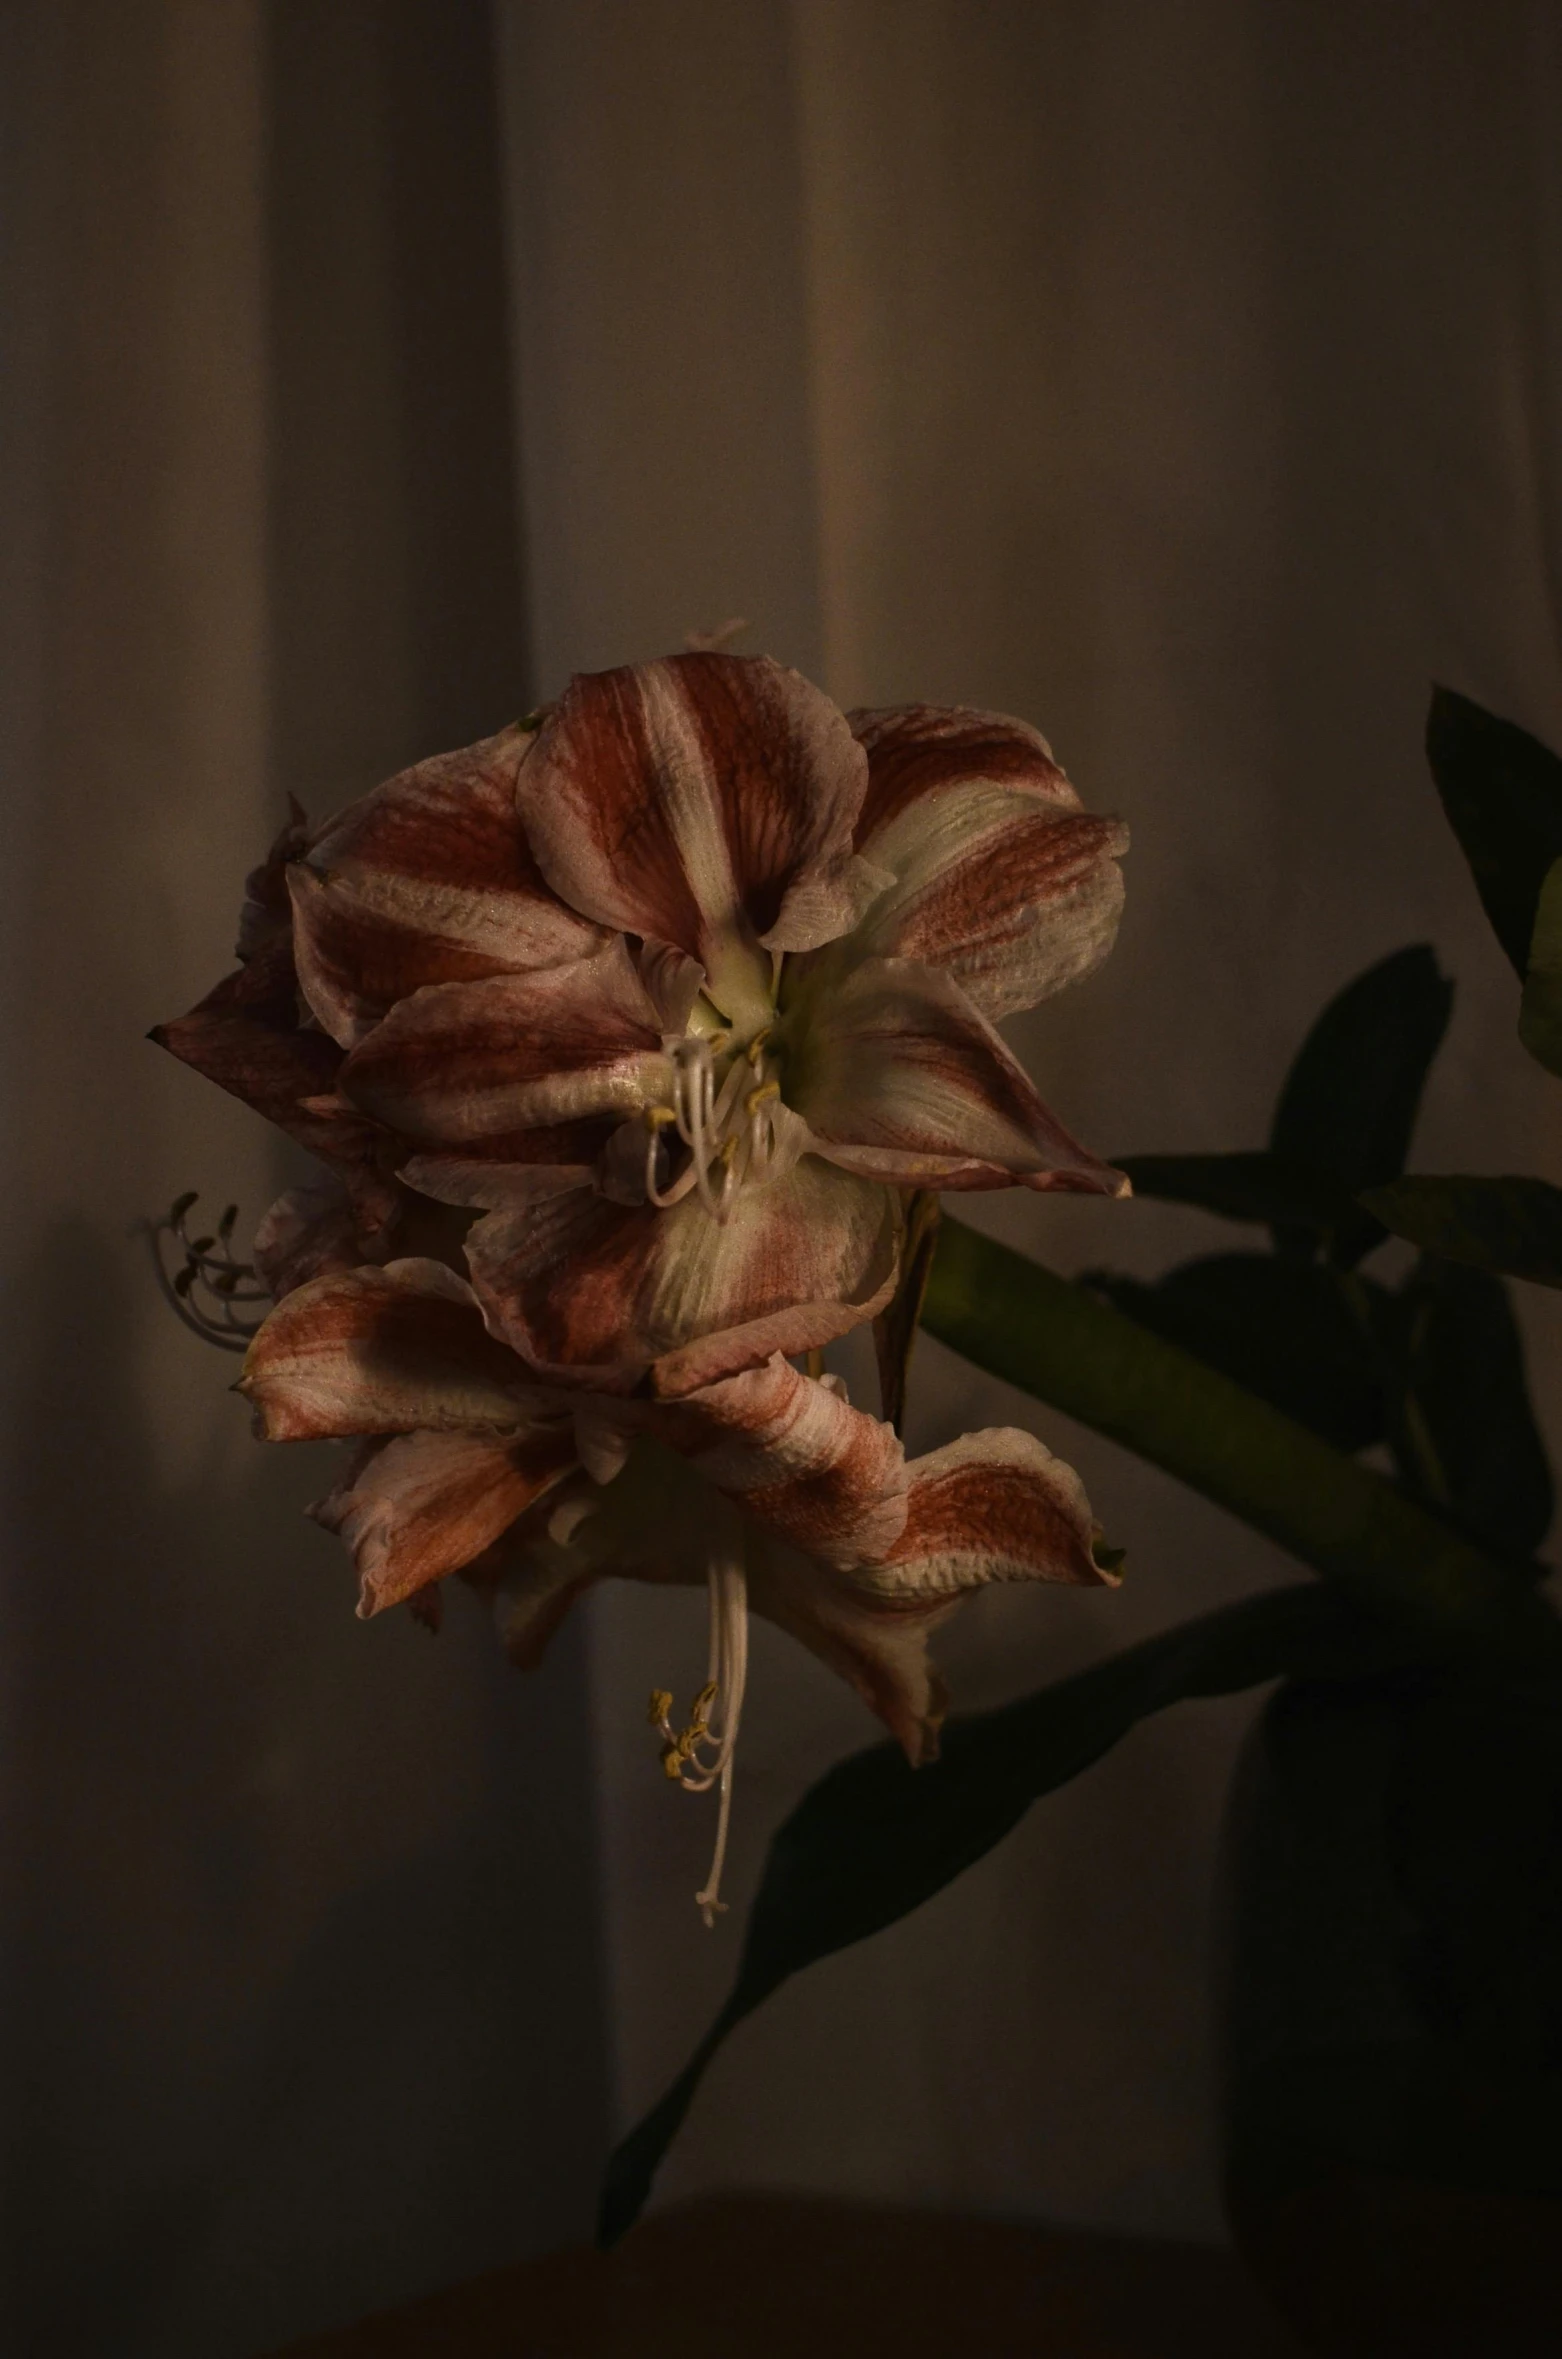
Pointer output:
x,y
1036,1330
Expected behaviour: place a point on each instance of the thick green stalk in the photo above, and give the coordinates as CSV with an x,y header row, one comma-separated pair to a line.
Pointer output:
x,y
1038,1331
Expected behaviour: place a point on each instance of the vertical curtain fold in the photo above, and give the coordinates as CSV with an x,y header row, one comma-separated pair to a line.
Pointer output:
x,y
302,1995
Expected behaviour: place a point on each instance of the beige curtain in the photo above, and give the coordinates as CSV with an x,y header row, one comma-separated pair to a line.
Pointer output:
x,y
1183,374
300,2011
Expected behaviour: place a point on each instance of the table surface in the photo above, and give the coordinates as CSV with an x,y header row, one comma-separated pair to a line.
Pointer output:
x,y
768,2277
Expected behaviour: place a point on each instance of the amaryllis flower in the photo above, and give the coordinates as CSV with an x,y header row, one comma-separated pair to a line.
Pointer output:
x,y
766,1485
677,994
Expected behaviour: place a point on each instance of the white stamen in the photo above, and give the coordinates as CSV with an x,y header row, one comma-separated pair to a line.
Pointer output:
x,y
733,1127
701,1757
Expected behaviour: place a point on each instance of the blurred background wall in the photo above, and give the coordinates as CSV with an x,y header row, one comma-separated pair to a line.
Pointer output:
x,y
301,1999
1182,374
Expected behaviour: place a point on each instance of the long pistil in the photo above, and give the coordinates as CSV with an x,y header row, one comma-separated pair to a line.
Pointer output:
x,y
699,1756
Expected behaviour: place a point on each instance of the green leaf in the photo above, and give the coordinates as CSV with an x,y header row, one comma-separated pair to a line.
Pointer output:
x,y
1254,1186
873,1839
1502,791
1284,1329
1513,1226
1350,1099
1023,1323
1453,1332
1540,1016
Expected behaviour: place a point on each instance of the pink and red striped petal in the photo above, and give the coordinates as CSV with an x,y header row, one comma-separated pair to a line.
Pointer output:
x,y
900,1079
1002,879
428,879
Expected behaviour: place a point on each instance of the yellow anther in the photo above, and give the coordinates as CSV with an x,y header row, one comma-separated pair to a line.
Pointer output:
x,y
726,1152
660,1705
756,1047
658,1117
757,1097
672,1763
701,1707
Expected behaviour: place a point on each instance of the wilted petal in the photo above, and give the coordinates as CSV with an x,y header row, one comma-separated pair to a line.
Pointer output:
x,y
308,1231
494,1185
372,1351
794,1454
462,1061
425,1504
429,879
993,1506
704,801
595,1292
878,1648
246,1036
655,1522
267,914
898,1077
1001,878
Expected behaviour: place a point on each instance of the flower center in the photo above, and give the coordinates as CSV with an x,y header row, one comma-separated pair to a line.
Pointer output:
x,y
698,1757
727,1118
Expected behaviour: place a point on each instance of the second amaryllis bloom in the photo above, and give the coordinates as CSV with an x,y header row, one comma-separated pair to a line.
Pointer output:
x,y
676,993
767,1486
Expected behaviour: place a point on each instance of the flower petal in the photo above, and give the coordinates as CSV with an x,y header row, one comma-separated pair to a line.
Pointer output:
x,y
898,1077
993,1506
594,1292
245,1035
308,1231
373,1351
794,1454
462,1061
267,914
1001,878
429,879
706,801
426,1504
878,1648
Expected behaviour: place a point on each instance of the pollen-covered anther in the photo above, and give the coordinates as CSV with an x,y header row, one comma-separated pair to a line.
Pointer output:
x,y
698,1757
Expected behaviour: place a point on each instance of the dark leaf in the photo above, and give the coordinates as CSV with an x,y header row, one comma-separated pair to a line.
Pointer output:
x,y
1282,1328
1540,1016
1513,1226
1350,1099
874,1839
1463,1366
1253,1186
1502,791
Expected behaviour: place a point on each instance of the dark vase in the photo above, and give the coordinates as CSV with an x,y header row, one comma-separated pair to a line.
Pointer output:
x,y
1391,2015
